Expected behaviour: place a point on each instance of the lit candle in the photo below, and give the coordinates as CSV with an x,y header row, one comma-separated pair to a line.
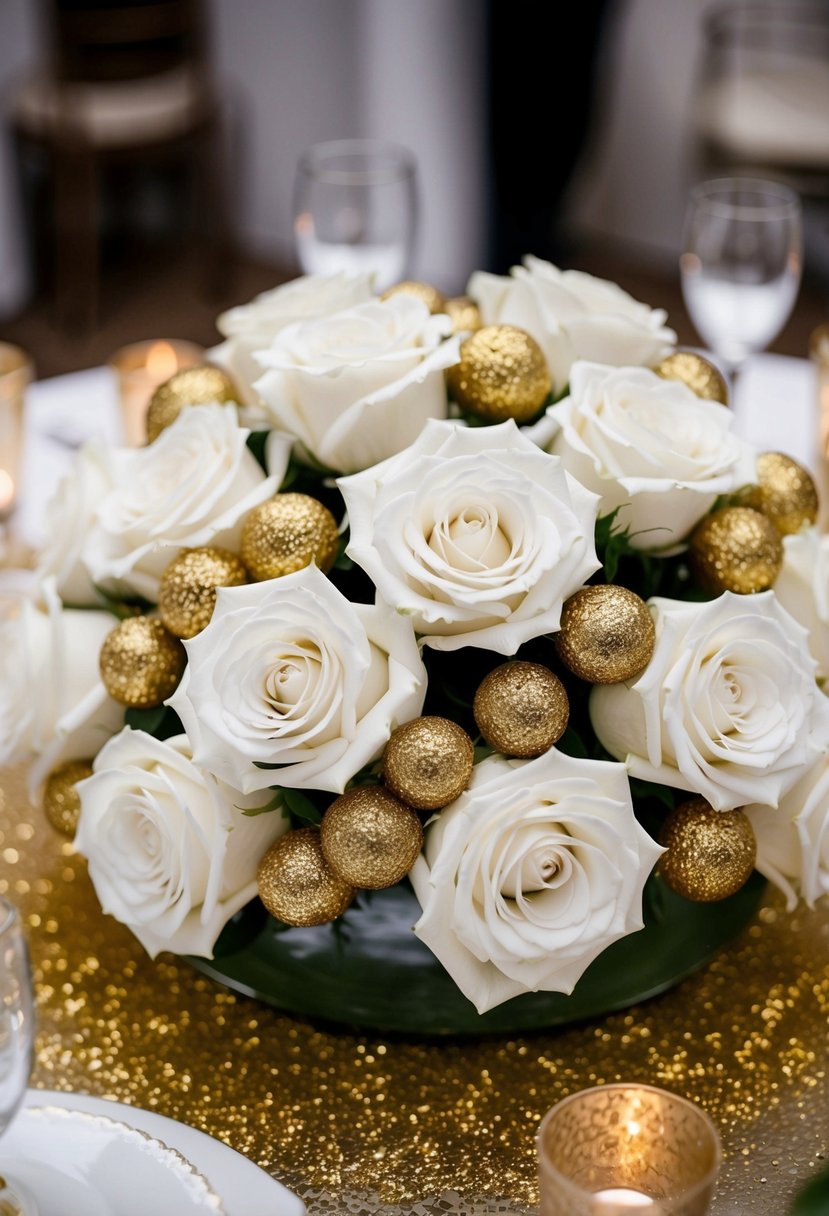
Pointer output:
x,y
141,367
15,374
621,1197
6,491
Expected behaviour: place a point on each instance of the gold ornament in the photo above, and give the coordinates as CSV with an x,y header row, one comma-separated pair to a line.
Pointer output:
x,y
61,801
187,593
736,549
192,386
297,885
428,762
141,662
434,300
785,493
698,373
370,838
606,634
521,709
710,853
502,374
287,533
464,313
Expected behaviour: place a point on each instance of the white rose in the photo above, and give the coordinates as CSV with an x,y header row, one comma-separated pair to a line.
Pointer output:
x,y
358,386
793,838
171,853
531,874
191,487
802,586
70,518
573,316
649,447
725,708
290,674
251,327
474,533
53,706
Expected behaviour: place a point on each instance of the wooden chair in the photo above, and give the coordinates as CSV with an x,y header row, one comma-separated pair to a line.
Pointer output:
x,y
126,83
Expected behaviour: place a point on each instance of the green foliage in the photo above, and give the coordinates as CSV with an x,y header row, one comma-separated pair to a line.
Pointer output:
x,y
161,721
813,1198
276,803
301,809
256,443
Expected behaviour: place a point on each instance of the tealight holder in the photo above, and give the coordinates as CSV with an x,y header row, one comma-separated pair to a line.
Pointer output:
x,y
627,1150
141,367
15,376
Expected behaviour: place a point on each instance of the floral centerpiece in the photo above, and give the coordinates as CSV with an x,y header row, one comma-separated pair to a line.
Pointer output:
x,y
483,599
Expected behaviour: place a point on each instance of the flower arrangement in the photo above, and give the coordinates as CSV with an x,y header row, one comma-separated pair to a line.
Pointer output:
x,y
477,595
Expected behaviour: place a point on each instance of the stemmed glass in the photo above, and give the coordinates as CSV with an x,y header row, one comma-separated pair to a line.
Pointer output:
x,y
355,209
741,263
16,1039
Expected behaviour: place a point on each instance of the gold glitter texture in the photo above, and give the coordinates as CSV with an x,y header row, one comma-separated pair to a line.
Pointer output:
x,y
187,593
502,374
698,373
141,662
369,838
521,709
785,493
736,549
434,300
355,1121
428,762
710,855
464,313
287,533
61,801
193,386
297,885
606,634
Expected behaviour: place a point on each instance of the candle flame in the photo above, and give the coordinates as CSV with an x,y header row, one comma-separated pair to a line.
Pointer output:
x,y
6,489
162,362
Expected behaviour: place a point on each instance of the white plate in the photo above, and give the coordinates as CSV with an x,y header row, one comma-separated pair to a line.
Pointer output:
x,y
73,1163
244,1188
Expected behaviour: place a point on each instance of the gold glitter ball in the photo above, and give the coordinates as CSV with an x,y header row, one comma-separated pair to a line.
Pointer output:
x,y
370,838
785,493
187,593
434,300
287,533
736,549
606,634
521,709
141,662
464,314
710,853
428,762
297,885
192,386
61,801
698,373
502,374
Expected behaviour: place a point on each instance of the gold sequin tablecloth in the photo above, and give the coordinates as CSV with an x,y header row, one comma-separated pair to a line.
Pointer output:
x,y
356,1122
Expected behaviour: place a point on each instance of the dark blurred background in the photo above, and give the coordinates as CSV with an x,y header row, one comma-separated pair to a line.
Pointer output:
x,y
148,149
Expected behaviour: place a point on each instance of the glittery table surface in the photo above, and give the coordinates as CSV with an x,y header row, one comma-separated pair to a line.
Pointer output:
x,y
358,1123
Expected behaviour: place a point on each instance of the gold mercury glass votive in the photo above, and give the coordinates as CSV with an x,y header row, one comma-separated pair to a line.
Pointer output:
x,y
626,1150
141,367
15,376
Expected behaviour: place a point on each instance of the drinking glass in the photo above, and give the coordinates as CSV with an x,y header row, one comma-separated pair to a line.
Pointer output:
x,y
741,263
355,209
16,1038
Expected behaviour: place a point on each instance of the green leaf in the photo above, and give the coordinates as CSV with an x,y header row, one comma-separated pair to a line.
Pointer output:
x,y
813,1198
257,441
301,807
481,751
161,721
277,803
641,790
571,744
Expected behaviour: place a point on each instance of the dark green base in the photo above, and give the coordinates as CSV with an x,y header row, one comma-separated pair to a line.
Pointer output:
x,y
371,971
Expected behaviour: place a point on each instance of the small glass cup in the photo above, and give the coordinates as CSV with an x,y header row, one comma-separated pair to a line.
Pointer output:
x,y
141,367
16,372
355,209
626,1150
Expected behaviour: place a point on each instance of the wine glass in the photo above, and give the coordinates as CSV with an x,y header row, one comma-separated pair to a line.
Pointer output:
x,y
355,209
16,1040
741,263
